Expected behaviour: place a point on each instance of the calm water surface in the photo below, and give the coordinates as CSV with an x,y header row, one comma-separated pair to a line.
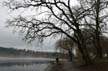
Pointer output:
x,y
27,65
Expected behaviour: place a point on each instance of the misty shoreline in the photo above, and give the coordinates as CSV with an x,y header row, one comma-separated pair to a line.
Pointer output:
x,y
25,60
28,60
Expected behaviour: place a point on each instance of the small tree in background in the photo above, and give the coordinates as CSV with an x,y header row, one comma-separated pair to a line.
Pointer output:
x,y
66,44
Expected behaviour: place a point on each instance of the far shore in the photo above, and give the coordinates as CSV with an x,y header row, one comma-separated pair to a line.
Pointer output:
x,y
27,59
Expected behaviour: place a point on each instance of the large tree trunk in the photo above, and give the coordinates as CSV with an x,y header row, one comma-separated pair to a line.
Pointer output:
x,y
98,47
85,55
83,49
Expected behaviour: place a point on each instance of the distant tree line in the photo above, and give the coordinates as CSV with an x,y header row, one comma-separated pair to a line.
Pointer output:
x,y
12,52
8,51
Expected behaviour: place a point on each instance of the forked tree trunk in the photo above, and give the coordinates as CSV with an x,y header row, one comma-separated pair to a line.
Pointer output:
x,y
85,55
83,49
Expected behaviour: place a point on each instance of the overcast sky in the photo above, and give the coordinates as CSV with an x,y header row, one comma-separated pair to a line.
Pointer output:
x,y
10,39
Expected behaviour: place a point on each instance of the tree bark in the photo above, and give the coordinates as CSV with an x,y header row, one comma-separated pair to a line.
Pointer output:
x,y
98,46
85,55
82,48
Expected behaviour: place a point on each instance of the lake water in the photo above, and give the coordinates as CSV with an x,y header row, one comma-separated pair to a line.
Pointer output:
x,y
29,67
23,64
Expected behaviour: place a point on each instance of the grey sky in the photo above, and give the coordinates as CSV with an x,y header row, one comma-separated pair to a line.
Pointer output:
x,y
10,39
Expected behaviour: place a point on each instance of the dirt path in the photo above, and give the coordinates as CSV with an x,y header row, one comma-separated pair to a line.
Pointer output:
x,y
66,66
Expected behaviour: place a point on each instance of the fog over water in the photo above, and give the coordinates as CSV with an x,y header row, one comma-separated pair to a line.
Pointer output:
x,y
25,67
24,64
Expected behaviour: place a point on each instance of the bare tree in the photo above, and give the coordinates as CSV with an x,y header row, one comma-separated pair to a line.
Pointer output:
x,y
67,45
53,17
96,20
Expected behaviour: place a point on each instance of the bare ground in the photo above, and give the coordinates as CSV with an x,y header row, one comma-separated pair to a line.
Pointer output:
x,y
68,66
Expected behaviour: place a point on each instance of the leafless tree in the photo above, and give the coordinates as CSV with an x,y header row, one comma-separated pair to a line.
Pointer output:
x,y
97,19
65,44
52,17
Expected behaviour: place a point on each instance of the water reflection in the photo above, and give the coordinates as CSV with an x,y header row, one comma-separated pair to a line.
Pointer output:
x,y
24,66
